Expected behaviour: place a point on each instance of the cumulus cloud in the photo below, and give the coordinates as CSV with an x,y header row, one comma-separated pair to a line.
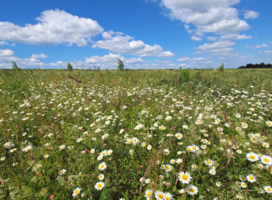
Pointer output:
x,y
210,47
196,38
6,52
120,43
54,28
257,46
234,36
38,56
251,14
211,38
184,58
187,28
208,16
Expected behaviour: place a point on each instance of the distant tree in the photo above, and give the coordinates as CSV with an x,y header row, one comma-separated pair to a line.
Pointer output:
x,y
120,64
221,68
14,66
70,67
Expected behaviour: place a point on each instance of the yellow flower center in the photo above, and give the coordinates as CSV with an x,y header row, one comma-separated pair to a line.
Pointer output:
x,y
102,166
99,185
168,167
208,162
268,189
266,160
149,194
251,178
184,177
160,196
252,157
76,192
167,198
192,190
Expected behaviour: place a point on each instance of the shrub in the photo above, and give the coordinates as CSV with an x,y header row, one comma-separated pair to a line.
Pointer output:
x,y
221,68
120,64
69,67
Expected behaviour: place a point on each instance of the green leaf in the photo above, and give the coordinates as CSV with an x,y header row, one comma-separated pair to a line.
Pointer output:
x,y
105,194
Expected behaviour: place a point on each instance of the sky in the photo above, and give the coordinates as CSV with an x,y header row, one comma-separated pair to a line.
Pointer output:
x,y
144,34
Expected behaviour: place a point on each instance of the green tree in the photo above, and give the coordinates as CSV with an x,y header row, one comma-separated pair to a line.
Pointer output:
x,y
14,66
70,67
221,68
120,64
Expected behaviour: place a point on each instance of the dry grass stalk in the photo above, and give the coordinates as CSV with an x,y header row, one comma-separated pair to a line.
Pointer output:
x,y
180,169
152,160
220,131
184,194
230,154
77,80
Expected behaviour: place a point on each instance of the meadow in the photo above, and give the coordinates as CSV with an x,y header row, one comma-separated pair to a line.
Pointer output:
x,y
136,134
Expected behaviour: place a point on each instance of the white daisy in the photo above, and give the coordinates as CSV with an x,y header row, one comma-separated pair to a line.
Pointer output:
x,y
267,160
251,178
192,190
268,189
76,192
252,157
185,178
99,185
159,195
102,166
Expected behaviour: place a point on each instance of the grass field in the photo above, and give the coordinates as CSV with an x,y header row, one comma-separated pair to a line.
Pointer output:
x,y
136,134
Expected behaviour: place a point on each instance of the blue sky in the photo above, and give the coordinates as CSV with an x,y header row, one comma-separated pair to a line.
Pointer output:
x,y
145,34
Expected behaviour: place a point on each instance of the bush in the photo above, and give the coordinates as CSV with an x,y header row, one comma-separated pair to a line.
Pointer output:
x,y
120,64
70,67
221,68
184,75
15,67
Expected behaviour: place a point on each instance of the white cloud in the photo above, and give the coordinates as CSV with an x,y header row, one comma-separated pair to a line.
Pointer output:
x,y
234,36
196,38
257,46
54,28
208,16
210,38
182,59
261,46
6,52
187,28
134,60
38,56
209,47
122,44
251,14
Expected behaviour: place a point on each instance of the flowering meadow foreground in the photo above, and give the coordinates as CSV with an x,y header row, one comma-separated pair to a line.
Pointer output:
x,y
125,135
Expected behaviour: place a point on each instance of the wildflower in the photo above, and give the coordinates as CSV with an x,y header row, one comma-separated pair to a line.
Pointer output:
x,y
61,172
251,178
192,190
178,135
166,151
79,139
268,189
218,184
147,180
269,123
172,161
267,160
99,185
241,177
168,168
185,178
109,152
62,147
243,185
213,172
237,115
179,161
159,195
208,162
131,151
162,127
239,197
92,151
266,145
149,147
101,177
252,157
168,118
168,196
143,144
102,166
148,193
27,148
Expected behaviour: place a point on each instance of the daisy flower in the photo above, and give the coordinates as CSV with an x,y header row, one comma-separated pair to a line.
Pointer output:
x,y
62,147
185,177
251,178
239,197
179,161
267,160
269,123
168,118
208,162
101,177
218,184
61,172
178,135
243,185
237,115
252,157
168,196
166,151
147,180
131,151
76,192
38,166
168,168
268,189
159,195
172,161
99,185
266,145
102,166
192,190
213,172
162,127
148,193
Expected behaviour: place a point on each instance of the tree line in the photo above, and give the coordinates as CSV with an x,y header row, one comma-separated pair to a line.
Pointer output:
x,y
261,65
